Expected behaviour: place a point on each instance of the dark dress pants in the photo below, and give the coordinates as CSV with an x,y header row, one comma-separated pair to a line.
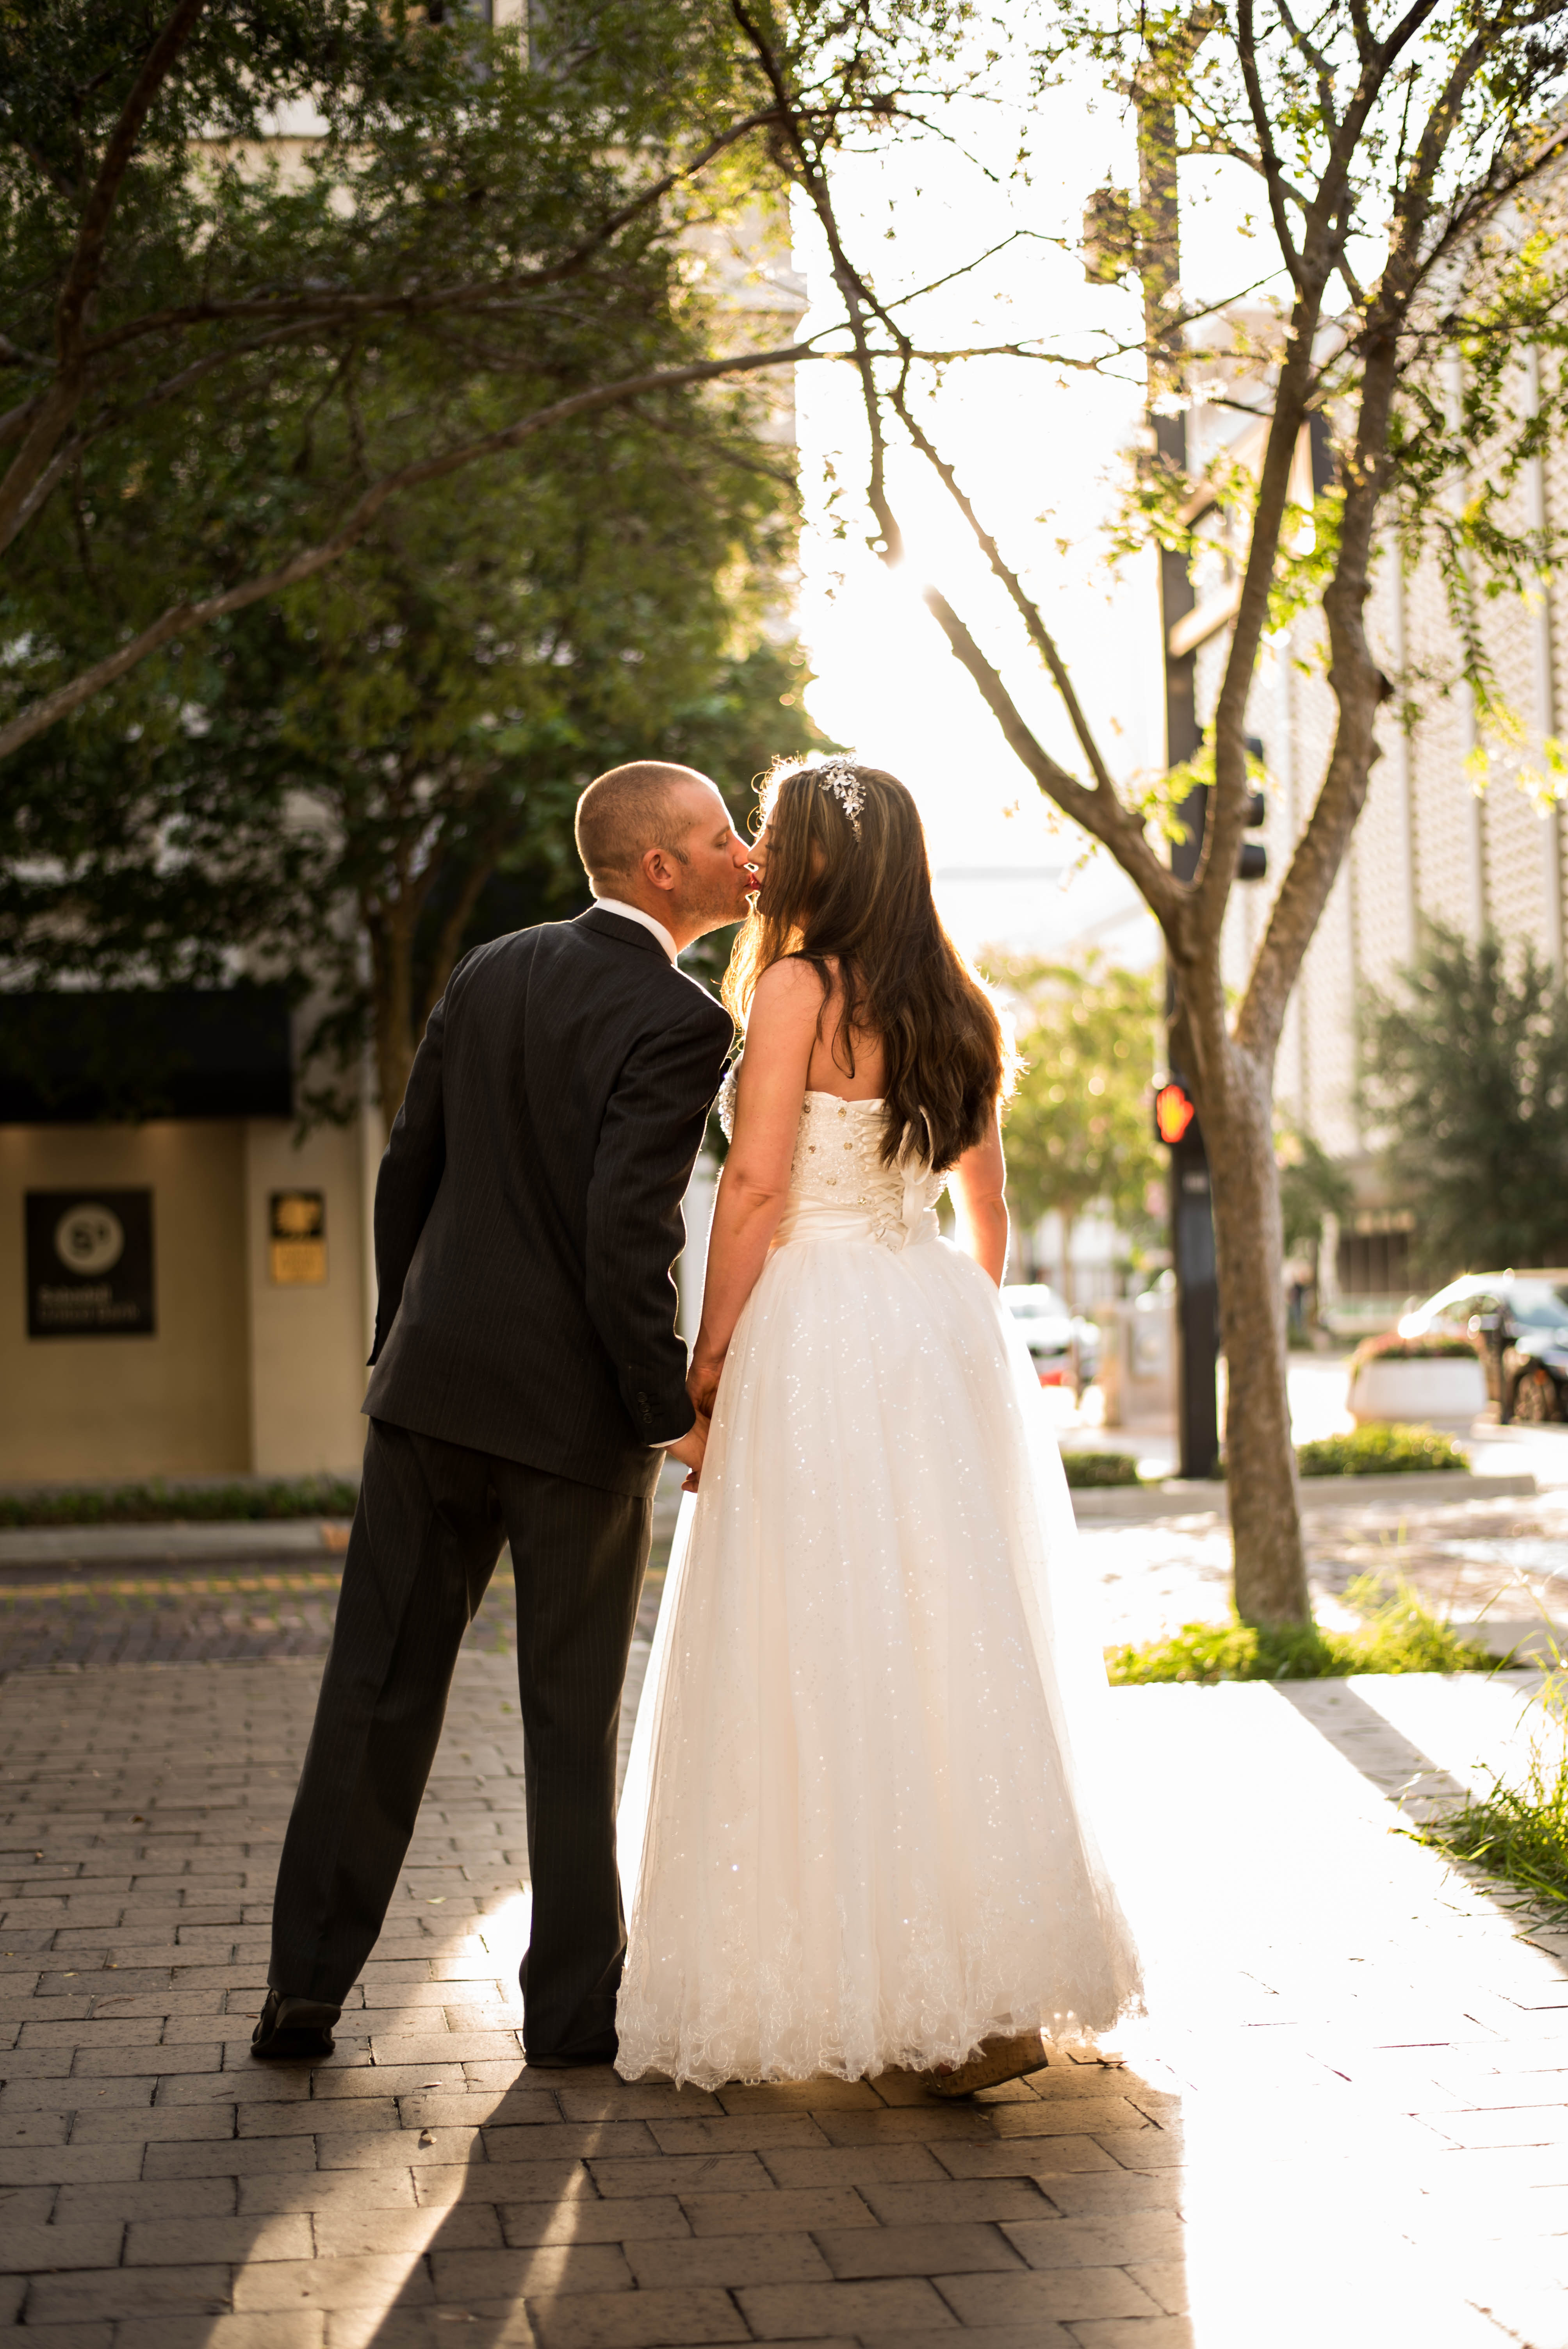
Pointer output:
x,y
427,1534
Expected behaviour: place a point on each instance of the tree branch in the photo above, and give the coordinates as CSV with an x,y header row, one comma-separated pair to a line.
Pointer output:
x,y
1353,672
1111,824
327,309
451,931
60,402
181,619
1024,603
1316,58
1319,854
1320,250
1273,170
1097,809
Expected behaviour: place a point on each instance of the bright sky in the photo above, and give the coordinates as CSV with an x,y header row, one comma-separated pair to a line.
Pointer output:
x,y
1040,452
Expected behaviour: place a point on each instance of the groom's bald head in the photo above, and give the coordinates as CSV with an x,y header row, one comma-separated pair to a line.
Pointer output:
x,y
647,804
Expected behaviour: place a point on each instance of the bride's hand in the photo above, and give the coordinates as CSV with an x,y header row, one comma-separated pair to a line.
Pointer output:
x,y
701,1381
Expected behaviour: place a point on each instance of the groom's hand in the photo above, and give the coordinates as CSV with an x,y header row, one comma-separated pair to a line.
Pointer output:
x,y
689,1451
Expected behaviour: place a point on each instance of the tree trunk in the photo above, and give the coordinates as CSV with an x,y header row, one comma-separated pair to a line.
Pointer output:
x,y
395,1049
393,1040
1270,1556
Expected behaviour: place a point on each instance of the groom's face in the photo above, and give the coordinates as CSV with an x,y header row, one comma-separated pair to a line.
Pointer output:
x,y
716,883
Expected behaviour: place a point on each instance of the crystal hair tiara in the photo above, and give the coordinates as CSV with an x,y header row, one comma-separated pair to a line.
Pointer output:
x,y
838,776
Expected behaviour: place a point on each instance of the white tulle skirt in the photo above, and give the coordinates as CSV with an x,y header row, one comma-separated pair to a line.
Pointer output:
x,y
854,1828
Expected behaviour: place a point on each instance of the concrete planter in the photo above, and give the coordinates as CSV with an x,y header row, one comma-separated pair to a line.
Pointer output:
x,y
1393,1387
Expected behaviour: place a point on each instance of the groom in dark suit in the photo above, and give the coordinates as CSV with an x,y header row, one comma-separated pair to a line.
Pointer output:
x,y
527,1384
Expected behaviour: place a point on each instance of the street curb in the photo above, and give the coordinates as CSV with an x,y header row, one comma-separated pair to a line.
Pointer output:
x,y
253,1540
258,1541
1176,1498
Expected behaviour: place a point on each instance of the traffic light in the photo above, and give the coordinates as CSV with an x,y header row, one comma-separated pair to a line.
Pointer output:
x,y
1175,1110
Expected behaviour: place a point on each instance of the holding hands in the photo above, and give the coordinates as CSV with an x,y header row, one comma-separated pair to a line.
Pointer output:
x,y
702,1385
689,1451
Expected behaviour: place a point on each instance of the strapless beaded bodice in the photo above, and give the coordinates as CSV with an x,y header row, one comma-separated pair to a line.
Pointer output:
x,y
840,1185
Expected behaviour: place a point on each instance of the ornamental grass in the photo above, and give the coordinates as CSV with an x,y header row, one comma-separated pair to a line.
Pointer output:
x,y
1397,1633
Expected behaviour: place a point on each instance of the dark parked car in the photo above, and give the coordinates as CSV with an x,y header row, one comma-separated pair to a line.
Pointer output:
x,y
1520,1320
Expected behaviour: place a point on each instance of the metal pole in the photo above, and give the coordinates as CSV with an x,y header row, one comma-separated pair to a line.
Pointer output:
x,y
1191,1213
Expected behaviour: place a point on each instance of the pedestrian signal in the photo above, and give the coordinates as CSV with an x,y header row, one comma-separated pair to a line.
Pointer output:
x,y
1175,1110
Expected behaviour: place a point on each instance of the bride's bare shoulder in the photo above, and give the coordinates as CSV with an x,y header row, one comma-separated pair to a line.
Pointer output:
x,y
791,987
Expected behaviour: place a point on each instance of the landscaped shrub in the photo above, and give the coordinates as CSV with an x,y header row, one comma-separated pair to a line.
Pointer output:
x,y
1381,1448
1391,1347
158,1503
1397,1633
1086,1469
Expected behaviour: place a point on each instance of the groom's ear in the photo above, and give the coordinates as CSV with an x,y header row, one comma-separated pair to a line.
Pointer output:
x,y
661,867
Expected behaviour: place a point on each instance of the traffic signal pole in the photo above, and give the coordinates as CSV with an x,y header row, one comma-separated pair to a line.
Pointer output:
x,y
1191,1207
1192,1226
1120,239
1192,1215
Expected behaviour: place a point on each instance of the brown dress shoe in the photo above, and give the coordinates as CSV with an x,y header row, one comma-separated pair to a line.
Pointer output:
x,y
1004,2058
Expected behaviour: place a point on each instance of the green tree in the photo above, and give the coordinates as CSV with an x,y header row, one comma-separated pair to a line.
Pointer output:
x,y
482,246
1311,1187
1401,157
1467,1070
349,785
1081,1133
340,782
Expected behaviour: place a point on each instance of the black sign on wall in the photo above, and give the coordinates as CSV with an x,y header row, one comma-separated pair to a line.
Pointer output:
x,y
90,1264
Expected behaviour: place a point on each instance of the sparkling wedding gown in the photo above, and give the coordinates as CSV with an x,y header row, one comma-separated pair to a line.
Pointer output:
x,y
853,1827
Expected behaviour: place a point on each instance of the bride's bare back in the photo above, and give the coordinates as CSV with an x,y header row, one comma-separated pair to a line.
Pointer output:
x,y
848,1063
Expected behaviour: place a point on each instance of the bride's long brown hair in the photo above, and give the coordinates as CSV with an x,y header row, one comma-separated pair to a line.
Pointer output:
x,y
856,891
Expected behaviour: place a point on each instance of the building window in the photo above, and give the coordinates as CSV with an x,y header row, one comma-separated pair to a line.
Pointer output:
x,y
1374,1264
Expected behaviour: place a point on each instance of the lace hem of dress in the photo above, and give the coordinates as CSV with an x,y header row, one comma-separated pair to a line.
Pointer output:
x,y
713,2055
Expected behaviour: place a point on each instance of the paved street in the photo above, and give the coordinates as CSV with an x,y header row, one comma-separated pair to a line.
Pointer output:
x,y
192,1593
1501,1563
1344,2121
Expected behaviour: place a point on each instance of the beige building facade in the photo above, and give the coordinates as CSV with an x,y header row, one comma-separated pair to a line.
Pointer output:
x,y
244,1354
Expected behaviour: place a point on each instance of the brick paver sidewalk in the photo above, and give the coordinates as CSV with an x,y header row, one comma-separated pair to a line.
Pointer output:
x,y
1344,2126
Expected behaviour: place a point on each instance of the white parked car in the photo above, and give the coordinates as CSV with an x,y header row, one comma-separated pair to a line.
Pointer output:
x,y
1049,1326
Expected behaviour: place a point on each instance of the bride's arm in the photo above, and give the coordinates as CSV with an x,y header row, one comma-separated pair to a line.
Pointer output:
x,y
755,1182
978,1186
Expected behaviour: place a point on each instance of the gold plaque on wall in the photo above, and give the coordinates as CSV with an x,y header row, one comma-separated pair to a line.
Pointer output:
x,y
298,1240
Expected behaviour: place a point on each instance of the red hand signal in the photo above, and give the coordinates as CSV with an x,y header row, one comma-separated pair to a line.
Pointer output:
x,y
1174,1111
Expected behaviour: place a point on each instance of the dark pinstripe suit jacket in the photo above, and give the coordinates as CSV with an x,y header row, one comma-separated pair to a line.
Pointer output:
x,y
528,1210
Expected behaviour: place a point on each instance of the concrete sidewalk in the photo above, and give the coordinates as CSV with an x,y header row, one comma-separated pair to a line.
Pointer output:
x,y
1343,2122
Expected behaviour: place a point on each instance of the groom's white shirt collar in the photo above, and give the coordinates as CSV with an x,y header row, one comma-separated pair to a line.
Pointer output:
x,y
635,914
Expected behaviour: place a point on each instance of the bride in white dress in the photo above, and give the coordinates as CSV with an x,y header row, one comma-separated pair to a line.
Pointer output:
x,y
854,1816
